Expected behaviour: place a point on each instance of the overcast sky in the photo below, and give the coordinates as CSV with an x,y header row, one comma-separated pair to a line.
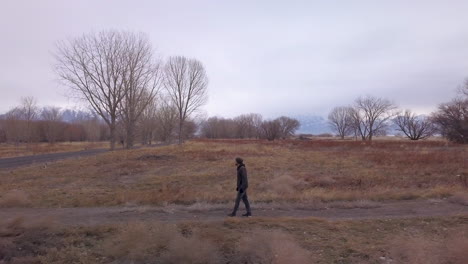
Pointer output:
x,y
268,57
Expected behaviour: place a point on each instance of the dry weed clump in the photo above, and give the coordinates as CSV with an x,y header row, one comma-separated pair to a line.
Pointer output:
x,y
15,198
285,184
21,239
159,243
423,249
138,241
270,247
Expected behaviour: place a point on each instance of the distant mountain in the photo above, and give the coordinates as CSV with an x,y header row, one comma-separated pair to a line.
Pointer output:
x,y
311,124
71,115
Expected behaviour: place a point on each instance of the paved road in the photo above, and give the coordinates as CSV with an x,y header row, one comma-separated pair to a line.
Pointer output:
x,y
8,163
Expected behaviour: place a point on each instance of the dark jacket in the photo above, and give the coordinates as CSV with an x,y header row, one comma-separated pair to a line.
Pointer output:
x,y
242,182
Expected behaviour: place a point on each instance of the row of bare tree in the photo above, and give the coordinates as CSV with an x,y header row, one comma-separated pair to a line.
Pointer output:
x,y
29,123
370,116
118,74
249,126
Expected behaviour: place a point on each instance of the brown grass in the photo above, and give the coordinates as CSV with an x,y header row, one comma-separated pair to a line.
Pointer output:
x,y
25,149
253,240
291,171
423,249
14,198
270,247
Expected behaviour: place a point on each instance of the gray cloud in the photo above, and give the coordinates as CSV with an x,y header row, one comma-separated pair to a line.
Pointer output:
x,y
270,57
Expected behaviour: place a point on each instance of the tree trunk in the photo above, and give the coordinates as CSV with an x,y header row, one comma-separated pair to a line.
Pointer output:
x,y
130,136
180,132
112,136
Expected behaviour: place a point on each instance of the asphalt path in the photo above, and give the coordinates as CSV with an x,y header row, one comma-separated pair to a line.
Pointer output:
x,y
9,163
15,162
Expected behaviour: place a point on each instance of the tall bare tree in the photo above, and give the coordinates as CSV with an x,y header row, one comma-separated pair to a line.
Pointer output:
x,y
186,84
452,120
148,123
13,125
288,126
370,116
94,66
141,79
463,90
257,121
341,121
52,118
29,111
414,127
167,120
271,129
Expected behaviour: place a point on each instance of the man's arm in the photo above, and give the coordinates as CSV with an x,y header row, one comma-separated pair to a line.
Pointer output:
x,y
243,173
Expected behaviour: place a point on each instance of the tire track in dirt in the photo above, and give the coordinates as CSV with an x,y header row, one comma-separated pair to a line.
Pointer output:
x,y
109,215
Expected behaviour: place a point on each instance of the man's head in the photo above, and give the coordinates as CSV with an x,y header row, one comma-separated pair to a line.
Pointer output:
x,y
239,161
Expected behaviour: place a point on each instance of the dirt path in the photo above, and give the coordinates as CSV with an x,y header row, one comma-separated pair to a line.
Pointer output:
x,y
99,215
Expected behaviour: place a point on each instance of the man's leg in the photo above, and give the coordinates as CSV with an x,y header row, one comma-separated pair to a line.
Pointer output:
x,y
245,199
238,198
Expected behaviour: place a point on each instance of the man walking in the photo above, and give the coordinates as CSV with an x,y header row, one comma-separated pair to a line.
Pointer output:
x,y
242,185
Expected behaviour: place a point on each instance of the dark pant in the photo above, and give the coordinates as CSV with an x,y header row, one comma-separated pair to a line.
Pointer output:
x,y
243,196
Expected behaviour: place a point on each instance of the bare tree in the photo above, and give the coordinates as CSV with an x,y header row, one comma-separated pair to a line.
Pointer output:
x,y
186,83
271,129
142,82
370,116
414,127
340,120
257,121
29,111
288,126
218,127
148,123
92,127
463,90
246,125
53,125
452,120
94,67
167,120
13,125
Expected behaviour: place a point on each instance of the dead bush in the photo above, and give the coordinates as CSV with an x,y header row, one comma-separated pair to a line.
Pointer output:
x,y
138,241
323,181
21,239
15,198
285,184
270,247
425,250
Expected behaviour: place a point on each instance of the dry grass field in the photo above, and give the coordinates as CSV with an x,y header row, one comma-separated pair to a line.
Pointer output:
x,y
283,171
202,173
12,150
256,240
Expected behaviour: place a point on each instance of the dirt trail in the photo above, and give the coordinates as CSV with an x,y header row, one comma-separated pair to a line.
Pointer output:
x,y
107,215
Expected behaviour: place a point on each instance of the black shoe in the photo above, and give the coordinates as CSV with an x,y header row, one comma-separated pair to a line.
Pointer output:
x,y
247,215
231,215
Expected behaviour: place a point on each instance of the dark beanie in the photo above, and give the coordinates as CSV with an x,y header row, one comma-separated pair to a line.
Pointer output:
x,y
239,161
